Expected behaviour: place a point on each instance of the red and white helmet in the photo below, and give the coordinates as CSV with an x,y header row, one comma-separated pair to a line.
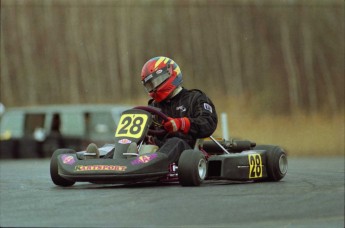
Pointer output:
x,y
161,76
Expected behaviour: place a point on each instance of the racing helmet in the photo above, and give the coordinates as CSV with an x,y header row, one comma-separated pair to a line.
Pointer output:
x,y
160,77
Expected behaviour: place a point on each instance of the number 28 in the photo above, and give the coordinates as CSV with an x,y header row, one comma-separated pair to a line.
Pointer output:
x,y
131,125
255,166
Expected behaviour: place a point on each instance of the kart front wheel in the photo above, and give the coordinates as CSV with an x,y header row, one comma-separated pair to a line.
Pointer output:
x,y
192,168
54,168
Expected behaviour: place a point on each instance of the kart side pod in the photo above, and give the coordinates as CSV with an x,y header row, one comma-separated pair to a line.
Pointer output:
x,y
245,166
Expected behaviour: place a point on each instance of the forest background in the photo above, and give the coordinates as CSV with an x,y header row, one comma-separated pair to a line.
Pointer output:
x,y
276,67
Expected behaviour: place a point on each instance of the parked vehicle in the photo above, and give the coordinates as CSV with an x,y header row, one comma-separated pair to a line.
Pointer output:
x,y
33,132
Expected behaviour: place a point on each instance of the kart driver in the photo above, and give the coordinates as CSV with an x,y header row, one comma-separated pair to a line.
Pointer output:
x,y
192,113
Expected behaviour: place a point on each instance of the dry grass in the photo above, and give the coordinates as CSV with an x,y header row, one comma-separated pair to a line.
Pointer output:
x,y
300,134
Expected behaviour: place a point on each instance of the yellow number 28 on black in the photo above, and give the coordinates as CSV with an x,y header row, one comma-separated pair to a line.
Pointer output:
x,y
255,166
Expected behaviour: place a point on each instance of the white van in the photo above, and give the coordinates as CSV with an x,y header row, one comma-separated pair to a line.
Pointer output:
x,y
32,132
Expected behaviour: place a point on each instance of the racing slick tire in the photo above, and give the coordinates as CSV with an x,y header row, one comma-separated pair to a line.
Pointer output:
x,y
54,168
277,164
192,168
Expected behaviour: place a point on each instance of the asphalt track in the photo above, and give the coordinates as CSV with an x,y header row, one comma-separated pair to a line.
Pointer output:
x,y
311,195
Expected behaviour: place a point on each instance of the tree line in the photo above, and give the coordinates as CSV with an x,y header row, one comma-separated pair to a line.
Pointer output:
x,y
281,56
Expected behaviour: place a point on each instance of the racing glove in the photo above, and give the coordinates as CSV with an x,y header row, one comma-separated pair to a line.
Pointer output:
x,y
177,124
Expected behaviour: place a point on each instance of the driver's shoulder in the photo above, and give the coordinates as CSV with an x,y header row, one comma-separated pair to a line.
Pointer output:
x,y
195,93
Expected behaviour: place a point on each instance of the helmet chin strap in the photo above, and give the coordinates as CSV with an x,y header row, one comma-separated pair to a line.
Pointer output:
x,y
175,92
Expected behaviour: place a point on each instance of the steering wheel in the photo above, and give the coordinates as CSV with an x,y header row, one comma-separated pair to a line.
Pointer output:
x,y
157,112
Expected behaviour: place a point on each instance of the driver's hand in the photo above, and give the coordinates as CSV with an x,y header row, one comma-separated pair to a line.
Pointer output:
x,y
177,124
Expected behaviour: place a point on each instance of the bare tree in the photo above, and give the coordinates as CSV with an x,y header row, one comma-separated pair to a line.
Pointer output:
x,y
291,67
283,54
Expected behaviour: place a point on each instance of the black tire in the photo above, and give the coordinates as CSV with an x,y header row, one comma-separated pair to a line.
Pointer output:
x,y
54,169
192,168
277,164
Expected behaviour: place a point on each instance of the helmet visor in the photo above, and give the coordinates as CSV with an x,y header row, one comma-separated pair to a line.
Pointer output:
x,y
155,81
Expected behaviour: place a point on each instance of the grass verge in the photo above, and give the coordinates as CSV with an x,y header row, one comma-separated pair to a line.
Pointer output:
x,y
300,134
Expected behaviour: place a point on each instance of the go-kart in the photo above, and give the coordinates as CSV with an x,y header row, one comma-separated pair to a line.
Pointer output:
x,y
132,159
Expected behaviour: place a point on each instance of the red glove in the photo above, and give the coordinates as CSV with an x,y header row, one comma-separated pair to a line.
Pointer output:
x,y
177,124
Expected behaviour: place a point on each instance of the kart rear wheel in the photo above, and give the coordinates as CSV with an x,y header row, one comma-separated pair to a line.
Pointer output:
x,y
192,168
54,168
277,164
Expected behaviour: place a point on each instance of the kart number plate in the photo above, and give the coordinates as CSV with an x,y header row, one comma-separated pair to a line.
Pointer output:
x,y
131,125
255,166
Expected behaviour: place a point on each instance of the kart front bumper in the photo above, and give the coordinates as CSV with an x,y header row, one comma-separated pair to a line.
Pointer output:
x,y
144,167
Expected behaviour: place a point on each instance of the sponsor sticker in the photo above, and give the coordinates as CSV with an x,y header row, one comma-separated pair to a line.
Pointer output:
x,y
208,107
159,71
67,159
148,78
125,141
82,168
181,108
144,159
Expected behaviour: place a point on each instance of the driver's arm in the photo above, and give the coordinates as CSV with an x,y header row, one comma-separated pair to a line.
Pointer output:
x,y
203,117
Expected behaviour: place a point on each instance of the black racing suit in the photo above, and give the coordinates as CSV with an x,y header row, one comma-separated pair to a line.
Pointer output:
x,y
199,109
